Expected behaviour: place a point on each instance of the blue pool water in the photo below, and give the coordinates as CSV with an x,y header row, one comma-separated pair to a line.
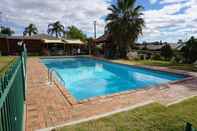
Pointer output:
x,y
86,78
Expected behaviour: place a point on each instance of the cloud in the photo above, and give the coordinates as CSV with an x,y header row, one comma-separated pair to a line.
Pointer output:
x,y
152,1
81,13
172,1
175,20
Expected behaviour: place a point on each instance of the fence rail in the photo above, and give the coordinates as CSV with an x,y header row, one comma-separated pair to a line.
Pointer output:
x,y
12,95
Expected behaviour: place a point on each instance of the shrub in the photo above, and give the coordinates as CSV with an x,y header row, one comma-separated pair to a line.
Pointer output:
x,y
142,57
156,57
145,48
167,52
148,56
34,54
177,58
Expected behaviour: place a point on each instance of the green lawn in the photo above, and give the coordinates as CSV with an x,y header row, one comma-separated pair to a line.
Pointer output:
x,y
153,117
4,63
188,67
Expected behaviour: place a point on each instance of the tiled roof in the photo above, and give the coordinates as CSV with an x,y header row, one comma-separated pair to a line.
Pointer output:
x,y
76,41
34,37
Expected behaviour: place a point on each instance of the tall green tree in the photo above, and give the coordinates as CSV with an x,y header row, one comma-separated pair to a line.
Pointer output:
x,y
6,31
30,30
56,28
75,33
125,24
190,50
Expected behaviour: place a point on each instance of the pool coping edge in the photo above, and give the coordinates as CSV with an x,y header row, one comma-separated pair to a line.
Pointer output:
x,y
99,116
72,100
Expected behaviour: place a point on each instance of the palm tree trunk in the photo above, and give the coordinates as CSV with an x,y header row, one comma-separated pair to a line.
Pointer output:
x,y
123,49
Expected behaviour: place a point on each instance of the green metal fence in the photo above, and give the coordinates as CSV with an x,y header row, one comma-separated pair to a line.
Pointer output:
x,y
12,95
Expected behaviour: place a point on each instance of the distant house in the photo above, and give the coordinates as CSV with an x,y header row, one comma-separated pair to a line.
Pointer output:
x,y
157,47
104,41
71,46
106,38
148,49
38,45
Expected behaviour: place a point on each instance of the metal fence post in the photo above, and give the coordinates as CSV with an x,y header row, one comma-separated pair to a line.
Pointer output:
x,y
23,74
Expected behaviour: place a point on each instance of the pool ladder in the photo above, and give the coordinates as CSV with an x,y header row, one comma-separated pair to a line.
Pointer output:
x,y
50,77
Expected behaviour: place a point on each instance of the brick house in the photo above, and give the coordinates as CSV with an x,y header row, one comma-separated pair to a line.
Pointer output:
x,y
38,45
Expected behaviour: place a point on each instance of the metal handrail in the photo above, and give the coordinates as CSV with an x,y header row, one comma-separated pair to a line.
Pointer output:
x,y
50,76
61,79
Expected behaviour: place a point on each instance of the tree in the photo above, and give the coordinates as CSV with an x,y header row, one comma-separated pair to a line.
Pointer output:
x,y
30,30
180,41
6,31
167,52
75,33
190,50
125,24
56,28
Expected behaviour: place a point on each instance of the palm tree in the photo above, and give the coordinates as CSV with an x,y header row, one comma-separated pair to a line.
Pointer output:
x,y
124,24
30,30
56,28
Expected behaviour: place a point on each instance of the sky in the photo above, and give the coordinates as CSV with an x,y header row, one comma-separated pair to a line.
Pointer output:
x,y
166,20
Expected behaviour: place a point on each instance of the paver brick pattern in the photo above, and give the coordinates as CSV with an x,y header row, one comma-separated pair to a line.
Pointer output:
x,y
47,106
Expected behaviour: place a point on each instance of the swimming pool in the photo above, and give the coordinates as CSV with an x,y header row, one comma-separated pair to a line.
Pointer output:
x,y
85,78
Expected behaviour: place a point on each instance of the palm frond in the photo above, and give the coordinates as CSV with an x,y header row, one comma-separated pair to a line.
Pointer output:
x,y
125,22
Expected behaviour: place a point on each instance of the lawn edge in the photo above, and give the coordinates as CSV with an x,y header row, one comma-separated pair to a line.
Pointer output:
x,y
98,116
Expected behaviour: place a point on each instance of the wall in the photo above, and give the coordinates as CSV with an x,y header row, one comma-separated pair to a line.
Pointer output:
x,y
10,46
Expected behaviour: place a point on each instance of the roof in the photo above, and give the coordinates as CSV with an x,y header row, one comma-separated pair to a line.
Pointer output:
x,y
77,42
15,37
104,38
154,47
46,39
44,36
34,37
53,41
157,47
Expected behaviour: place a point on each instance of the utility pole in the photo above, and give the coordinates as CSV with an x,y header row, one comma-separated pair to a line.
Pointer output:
x,y
95,29
93,42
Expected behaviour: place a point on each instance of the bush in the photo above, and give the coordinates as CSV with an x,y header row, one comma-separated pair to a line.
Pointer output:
x,y
190,51
148,56
167,52
142,57
156,57
34,54
177,58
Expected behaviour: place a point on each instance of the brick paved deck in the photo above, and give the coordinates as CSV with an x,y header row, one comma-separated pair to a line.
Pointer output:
x,y
50,106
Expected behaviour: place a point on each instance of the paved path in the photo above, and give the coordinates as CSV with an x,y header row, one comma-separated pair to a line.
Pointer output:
x,y
48,106
45,105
